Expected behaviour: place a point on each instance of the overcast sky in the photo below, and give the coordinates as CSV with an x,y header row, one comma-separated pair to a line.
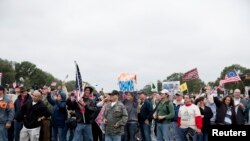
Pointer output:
x,y
106,37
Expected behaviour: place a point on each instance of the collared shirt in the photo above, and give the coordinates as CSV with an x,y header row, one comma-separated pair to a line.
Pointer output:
x,y
113,103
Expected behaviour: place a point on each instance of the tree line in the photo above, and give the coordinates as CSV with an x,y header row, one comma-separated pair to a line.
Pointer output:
x,y
194,86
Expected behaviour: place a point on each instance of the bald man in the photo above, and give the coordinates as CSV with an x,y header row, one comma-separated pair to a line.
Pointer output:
x,y
33,112
240,105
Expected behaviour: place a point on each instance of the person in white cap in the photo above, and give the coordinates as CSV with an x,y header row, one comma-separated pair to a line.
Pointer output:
x,y
163,115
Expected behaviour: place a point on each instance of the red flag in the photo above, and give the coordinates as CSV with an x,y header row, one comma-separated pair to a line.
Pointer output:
x,y
191,75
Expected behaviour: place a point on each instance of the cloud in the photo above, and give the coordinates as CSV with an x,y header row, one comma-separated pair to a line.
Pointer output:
x,y
150,38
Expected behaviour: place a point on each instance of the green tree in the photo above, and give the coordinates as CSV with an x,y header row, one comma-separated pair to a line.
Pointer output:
x,y
194,86
24,70
174,77
147,89
7,69
70,85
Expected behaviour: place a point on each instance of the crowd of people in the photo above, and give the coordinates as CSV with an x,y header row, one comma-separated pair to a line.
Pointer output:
x,y
54,114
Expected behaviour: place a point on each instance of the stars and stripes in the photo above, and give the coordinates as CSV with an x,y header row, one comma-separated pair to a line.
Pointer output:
x,y
231,76
191,75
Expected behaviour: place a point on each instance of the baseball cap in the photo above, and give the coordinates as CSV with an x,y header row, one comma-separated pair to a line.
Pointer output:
x,y
114,92
179,93
164,91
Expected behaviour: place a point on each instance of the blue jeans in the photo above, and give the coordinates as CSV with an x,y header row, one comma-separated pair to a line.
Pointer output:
x,y
183,135
3,133
112,137
163,131
17,129
145,132
83,132
130,131
176,131
202,137
71,134
59,134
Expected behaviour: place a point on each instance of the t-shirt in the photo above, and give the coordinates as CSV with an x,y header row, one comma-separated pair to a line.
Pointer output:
x,y
187,116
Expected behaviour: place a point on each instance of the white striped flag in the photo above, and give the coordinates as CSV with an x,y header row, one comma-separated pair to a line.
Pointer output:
x,y
190,75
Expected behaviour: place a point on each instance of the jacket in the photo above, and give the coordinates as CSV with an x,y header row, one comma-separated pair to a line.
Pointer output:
x,y
31,113
59,111
18,105
146,112
6,110
88,116
116,115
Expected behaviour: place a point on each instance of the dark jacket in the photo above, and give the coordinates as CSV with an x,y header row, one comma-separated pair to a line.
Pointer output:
x,y
146,112
59,111
18,107
247,110
221,112
240,113
207,115
88,116
31,113
71,105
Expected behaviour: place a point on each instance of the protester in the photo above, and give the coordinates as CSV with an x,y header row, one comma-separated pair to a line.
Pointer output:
x,y
131,126
145,116
33,112
189,120
163,115
21,100
225,114
6,114
84,116
115,118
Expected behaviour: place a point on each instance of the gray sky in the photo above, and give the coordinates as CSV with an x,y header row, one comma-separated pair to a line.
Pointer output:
x,y
106,37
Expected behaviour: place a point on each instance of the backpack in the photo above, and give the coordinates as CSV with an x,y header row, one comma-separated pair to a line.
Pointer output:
x,y
168,111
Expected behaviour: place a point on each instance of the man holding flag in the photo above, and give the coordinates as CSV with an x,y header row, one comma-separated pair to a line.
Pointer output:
x,y
84,111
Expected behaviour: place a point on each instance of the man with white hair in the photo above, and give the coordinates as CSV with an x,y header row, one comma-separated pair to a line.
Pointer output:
x,y
240,105
33,112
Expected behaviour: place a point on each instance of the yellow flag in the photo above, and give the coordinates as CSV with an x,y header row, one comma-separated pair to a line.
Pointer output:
x,y
183,87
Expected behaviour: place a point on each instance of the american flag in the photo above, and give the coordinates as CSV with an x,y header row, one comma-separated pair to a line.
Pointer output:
x,y
191,75
78,82
231,76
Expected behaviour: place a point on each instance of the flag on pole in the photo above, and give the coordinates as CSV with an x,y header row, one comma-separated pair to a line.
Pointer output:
x,y
231,76
1,74
191,75
78,85
184,87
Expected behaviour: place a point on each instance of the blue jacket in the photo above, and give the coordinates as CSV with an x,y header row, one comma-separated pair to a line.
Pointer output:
x,y
7,111
59,111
